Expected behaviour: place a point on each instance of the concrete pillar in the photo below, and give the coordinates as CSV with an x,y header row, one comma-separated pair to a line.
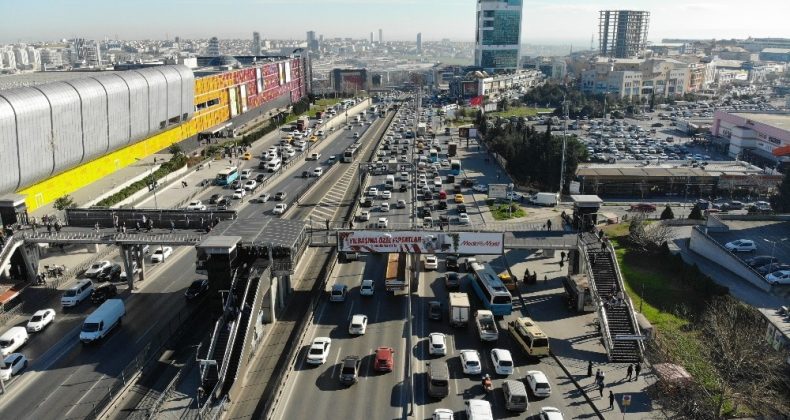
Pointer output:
x,y
127,265
30,257
140,258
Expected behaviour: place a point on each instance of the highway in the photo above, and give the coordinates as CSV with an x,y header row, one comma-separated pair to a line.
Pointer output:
x,y
66,379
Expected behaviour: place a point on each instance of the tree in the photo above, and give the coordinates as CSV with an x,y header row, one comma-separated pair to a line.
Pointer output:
x,y
696,213
175,149
667,214
781,201
646,237
65,202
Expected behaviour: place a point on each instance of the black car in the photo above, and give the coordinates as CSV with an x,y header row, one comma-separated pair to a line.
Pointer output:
x,y
111,273
214,198
451,279
196,289
103,292
427,195
435,310
403,188
260,178
760,261
451,262
770,268
425,212
461,208
350,370
442,205
367,202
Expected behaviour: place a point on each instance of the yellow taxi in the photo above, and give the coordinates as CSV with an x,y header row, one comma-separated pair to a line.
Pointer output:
x,y
459,199
313,139
508,281
247,156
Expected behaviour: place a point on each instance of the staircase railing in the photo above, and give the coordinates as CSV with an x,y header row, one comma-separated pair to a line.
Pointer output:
x,y
629,303
603,321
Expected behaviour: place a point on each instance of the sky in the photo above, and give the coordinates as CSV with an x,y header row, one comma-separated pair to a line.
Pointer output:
x,y
544,21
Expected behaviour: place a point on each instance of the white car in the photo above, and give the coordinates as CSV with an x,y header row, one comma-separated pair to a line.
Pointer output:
x,y
196,205
538,383
373,192
40,320
478,410
364,215
12,364
161,253
431,262
741,245
246,173
550,413
401,204
366,288
386,195
264,198
384,207
480,188
445,163
437,344
319,350
382,223
442,414
358,325
96,268
463,219
238,194
280,208
470,361
317,172
503,361
779,277
250,185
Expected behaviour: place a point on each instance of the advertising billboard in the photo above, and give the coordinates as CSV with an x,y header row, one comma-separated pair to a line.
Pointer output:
x,y
497,191
416,242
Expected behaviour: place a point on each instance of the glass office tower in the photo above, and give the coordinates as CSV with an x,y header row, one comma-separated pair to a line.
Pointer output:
x,y
498,35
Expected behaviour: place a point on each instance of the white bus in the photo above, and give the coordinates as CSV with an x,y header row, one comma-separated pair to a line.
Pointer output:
x,y
349,154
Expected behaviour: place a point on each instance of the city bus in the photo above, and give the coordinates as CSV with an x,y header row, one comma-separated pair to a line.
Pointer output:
x,y
455,167
227,175
394,278
434,155
490,289
349,154
529,337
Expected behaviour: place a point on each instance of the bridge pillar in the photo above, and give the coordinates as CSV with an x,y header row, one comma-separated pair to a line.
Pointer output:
x,y
127,265
137,255
574,262
30,256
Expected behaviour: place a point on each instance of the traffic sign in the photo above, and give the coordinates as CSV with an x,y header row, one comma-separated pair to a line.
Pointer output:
x,y
626,400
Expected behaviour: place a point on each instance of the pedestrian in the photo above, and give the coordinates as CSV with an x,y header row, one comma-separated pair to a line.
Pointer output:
x,y
58,226
144,219
638,369
548,225
49,227
97,227
154,160
589,368
562,256
630,371
598,376
600,389
611,400
123,227
172,226
138,226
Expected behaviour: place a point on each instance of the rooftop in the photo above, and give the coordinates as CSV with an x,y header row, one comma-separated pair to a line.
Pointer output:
x,y
665,168
775,120
777,50
12,81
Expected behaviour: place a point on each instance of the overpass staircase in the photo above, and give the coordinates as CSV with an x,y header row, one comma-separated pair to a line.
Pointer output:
x,y
618,323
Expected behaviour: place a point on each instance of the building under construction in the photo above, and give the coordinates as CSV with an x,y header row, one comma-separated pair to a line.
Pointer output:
x,y
622,33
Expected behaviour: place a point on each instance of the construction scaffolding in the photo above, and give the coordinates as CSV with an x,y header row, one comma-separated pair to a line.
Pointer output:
x,y
622,33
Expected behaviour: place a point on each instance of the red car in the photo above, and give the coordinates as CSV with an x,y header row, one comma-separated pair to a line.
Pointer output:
x,y
384,359
645,207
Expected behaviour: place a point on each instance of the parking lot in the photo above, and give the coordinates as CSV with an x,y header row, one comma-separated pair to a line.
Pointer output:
x,y
771,238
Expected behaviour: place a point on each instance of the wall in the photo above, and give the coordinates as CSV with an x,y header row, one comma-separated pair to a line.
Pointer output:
x,y
706,246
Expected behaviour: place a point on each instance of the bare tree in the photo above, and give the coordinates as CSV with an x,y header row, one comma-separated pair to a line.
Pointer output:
x,y
648,237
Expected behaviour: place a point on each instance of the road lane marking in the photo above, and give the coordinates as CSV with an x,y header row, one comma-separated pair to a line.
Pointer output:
x,y
337,358
85,394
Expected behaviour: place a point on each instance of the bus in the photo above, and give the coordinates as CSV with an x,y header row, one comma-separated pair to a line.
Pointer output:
x,y
434,155
455,167
529,336
490,289
227,175
350,154
394,278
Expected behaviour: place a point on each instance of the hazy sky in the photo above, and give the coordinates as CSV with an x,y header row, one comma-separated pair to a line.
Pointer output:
x,y
545,21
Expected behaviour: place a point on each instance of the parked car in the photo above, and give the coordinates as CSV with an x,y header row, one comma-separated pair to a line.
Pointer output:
x,y
40,320
643,207
779,277
760,261
770,268
198,288
741,245
12,365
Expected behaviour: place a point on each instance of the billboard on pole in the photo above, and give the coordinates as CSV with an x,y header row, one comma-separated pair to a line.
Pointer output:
x,y
416,242
497,191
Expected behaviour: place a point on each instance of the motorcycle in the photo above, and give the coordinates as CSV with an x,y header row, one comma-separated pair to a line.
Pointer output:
x,y
488,386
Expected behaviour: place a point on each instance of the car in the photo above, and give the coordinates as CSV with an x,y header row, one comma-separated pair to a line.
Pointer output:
x,y
260,178
196,205
435,310
401,204
358,324
459,199
442,414
437,344
40,320
538,383
760,261
280,208
503,361
214,198
331,159
111,273
643,207
317,172
245,173
770,268
779,277
550,413
250,185
363,216
135,270
741,245
338,293
480,188
373,192
96,268
239,193
366,288
431,262
161,253
103,292
365,202
386,195
384,360
470,362
12,365
478,409
451,261
319,350
452,280
262,198
350,370
280,196
198,288
385,207
235,184
382,223
463,219
403,188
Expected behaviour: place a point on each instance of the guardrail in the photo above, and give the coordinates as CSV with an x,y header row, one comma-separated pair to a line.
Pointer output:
x,y
630,304
603,322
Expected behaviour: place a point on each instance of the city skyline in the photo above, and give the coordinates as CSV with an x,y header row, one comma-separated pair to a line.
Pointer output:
x,y
438,19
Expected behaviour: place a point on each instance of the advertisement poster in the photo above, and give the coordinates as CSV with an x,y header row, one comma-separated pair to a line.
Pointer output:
x,y
497,191
415,242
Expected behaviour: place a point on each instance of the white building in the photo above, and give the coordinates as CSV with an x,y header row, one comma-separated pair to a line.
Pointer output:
x,y
637,78
34,58
20,54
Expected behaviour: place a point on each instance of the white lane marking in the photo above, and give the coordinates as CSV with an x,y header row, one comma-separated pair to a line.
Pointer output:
x,y
350,310
85,394
337,358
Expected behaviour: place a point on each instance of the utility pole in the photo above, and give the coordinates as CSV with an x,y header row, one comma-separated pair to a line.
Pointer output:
x,y
564,143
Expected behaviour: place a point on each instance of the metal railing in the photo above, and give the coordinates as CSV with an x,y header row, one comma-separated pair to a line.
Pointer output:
x,y
599,306
629,303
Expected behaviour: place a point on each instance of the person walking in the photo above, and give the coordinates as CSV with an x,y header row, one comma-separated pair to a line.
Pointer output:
x,y
630,372
172,226
611,400
548,225
638,369
600,390
589,368
598,376
562,256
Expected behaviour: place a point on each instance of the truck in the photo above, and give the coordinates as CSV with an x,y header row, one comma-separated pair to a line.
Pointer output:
x,y
395,275
459,309
302,123
486,325
452,149
545,199
319,115
99,323
421,129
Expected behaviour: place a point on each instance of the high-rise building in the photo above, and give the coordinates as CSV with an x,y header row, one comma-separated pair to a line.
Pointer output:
x,y
419,42
312,41
498,34
256,43
213,47
622,33
371,37
381,36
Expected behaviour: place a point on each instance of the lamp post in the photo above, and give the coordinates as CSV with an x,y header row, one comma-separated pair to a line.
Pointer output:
x,y
773,246
153,182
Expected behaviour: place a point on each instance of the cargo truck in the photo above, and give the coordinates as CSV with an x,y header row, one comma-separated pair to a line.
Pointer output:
x,y
459,309
421,129
395,276
99,323
452,149
302,123
486,325
545,199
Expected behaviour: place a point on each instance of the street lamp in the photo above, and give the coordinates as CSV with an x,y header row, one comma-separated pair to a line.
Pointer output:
x,y
773,247
153,182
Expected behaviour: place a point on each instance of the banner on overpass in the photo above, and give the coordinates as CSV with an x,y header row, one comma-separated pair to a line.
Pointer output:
x,y
415,242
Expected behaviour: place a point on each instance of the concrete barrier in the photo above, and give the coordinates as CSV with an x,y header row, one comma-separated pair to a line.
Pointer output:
x,y
704,245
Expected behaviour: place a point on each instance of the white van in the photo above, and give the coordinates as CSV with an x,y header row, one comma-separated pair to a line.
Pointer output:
x,y
515,394
274,165
12,339
389,184
77,293
99,323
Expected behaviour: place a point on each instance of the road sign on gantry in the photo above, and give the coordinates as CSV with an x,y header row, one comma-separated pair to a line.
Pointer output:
x,y
417,242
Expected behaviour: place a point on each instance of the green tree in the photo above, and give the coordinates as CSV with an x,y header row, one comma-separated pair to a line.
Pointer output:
x,y
696,213
781,201
65,202
175,149
667,214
